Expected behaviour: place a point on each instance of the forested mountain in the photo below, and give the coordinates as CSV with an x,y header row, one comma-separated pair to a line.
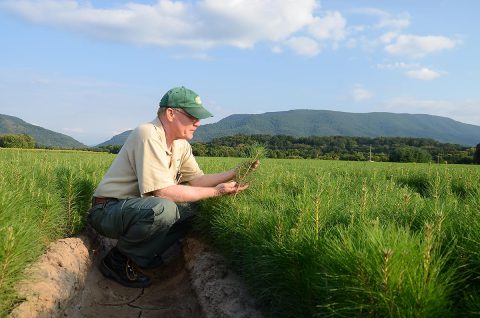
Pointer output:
x,y
117,139
302,123
42,136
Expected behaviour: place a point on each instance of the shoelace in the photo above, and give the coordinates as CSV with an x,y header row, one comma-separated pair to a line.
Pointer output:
x,y
130,271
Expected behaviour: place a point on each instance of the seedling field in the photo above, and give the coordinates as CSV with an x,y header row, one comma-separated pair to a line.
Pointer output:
x,y
329,238
44,196
310,237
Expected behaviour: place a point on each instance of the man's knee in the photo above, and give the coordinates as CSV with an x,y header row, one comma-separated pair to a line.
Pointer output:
x,y
165,213
150,217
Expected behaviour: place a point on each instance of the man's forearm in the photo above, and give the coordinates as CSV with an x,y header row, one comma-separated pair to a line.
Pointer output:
x,y
211,180
181,193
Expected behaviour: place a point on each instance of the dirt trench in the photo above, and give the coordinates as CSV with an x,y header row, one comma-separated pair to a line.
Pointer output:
x,y
194,282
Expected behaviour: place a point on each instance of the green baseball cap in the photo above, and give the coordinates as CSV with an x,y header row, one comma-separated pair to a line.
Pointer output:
x,y
186,99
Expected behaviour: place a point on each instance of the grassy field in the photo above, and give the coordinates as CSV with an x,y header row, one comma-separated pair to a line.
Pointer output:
x,y
44,195
329,238
310,238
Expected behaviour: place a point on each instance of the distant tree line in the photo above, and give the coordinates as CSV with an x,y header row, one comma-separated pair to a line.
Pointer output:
x,y
17,141
111,148
28,142
393,149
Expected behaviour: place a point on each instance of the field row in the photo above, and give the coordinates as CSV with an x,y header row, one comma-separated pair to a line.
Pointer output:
x,y
329,238
310,237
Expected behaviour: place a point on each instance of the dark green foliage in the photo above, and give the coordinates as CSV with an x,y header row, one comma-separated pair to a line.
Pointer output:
x,y
76,192
476,155
112,148
410,154
17,141
200,149
418,183
397,149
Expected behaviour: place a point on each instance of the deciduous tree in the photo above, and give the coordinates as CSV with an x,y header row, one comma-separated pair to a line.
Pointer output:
x,y
476,155
17,141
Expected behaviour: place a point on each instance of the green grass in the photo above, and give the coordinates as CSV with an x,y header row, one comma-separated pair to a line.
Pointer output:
x,y
44,195
310,238
320,238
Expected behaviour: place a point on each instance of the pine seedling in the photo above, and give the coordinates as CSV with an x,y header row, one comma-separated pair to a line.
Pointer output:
x,y
244,170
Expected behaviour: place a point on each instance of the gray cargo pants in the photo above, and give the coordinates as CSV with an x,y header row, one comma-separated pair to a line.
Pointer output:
x,y
144,227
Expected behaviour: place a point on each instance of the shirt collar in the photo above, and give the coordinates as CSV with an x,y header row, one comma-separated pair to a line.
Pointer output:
x,y
161,133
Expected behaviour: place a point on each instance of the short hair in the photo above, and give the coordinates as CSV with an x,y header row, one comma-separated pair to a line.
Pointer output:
x,y
161,110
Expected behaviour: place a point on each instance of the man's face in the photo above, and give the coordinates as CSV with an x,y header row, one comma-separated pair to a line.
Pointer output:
x,y
184,124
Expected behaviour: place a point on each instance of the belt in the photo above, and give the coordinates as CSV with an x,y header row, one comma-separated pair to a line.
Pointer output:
x,y
96,201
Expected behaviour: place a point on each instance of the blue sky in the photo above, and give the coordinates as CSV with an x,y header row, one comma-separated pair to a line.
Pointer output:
x,y
93,69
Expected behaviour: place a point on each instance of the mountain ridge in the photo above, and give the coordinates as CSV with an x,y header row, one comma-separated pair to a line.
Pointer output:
x,y
44,137
116,140
296,123
308,122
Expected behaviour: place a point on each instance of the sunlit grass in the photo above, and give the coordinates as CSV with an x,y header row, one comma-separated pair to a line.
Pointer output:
x,y
320,238
311,238
44,195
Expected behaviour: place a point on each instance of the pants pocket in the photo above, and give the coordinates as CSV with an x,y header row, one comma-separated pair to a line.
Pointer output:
x,y
106,223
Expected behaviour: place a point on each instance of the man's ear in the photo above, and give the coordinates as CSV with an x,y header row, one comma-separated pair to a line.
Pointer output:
x,y
170,114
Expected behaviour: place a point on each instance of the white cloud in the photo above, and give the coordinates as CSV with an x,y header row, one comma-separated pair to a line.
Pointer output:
x,y
385,19
412,70
424,74
388,37
392,37
194,56
204,24
414,46
397,65
304,46
199,24
360,94
400,22
257,20
370,11
331,26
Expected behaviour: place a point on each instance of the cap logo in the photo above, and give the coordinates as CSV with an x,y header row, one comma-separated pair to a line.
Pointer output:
x,y
198,100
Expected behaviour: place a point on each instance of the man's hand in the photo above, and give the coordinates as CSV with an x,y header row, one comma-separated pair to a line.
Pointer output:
x,y
230,188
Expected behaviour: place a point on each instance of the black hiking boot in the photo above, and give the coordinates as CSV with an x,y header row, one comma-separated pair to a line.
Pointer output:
x,y
121,269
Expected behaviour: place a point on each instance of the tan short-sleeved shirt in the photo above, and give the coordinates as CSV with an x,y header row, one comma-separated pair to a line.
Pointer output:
x,y
144,164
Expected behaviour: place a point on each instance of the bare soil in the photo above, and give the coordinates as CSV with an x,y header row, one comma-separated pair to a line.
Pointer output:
x,y
193,282
169,296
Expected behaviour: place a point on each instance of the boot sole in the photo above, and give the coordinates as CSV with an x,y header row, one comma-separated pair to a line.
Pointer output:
x,y
108,273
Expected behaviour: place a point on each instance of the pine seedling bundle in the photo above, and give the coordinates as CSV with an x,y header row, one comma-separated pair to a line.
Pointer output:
x,y
243,171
